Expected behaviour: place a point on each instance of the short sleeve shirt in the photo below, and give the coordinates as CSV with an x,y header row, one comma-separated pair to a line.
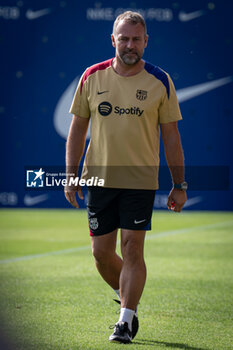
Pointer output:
x,y
125,114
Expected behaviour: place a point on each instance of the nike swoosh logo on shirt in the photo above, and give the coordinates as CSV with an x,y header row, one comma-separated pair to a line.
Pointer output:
x,y
186,17
30,14
139,221
101,92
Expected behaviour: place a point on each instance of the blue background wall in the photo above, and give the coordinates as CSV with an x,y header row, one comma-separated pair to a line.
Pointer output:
x,y
44,53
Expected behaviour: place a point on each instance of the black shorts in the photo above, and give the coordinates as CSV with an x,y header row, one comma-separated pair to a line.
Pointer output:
x,y
111,208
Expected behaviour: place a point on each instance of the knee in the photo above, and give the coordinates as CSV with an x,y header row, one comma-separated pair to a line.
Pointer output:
x,y
132,251
100,255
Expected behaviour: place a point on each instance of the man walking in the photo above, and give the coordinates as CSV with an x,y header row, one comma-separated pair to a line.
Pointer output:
x,y
128,102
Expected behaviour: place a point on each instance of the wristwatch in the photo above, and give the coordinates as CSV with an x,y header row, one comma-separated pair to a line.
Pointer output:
x,y
183,186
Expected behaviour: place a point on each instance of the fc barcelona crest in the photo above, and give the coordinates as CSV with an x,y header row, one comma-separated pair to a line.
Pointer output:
x,y
93,223
141,95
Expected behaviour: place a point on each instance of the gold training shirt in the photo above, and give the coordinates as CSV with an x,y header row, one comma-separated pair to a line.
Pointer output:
x,y
125,114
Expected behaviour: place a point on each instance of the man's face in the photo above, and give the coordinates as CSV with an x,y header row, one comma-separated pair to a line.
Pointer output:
x,y
129,41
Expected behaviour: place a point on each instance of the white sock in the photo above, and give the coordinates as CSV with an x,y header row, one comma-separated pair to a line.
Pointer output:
x,y
117,291
127,315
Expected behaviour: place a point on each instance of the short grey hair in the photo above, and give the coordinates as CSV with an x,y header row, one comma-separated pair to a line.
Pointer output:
x,y
130,17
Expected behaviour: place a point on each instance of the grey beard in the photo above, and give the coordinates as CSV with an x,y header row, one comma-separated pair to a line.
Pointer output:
x,y
130,61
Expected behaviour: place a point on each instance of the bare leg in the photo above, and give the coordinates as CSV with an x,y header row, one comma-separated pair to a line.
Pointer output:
x,y
133,273
108,263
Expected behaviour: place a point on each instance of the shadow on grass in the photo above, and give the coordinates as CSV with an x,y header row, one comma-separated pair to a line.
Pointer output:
x,y
164,343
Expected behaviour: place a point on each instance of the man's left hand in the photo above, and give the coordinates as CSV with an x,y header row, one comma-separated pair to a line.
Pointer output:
x,y
176,200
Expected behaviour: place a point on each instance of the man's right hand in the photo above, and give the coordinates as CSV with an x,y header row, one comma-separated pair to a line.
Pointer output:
x,y
71,197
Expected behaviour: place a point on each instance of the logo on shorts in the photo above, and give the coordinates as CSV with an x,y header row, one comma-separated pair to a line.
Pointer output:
x,y
141,95
139,221
93,223
105,108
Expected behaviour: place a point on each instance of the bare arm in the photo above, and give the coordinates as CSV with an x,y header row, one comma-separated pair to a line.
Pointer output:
x,y
74,150
175,161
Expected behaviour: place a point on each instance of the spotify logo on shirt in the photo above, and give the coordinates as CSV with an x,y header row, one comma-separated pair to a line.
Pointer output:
x,y
105,108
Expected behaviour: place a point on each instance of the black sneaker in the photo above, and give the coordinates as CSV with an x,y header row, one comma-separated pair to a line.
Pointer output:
x,y
121,333
135,322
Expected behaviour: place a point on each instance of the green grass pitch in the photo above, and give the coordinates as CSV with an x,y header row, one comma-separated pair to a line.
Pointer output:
x,y
52,297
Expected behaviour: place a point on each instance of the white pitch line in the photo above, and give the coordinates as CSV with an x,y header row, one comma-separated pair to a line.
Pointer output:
x,y
148,237
188,230
58,252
